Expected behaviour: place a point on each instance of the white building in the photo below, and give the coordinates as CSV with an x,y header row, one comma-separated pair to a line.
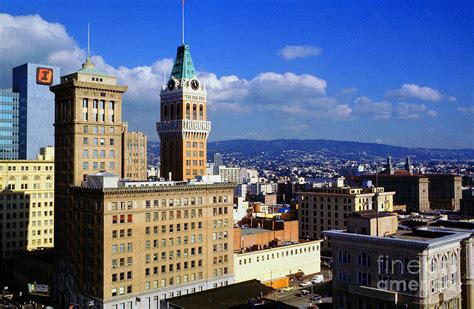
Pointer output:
x,y
229,174
270,264
240,208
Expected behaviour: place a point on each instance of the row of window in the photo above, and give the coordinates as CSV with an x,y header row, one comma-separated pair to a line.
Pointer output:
x,y
98,129
175,113
27,168
174,227
163,269
98,165
96,141
289,252
171,255
194,144
34,242
167,202
191,239
171,214
98,104
97,154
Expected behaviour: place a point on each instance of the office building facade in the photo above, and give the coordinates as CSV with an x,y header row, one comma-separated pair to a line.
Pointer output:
x,y
411,190
328,208
402,269
31,81
9,125
26,204
134,154
445,191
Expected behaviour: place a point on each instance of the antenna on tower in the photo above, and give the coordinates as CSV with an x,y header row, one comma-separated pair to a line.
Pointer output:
x,y
182,18
88,40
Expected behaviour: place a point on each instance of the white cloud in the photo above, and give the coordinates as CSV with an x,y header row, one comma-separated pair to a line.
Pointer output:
x,y
347,91
31,38
452,99
410,111
364,106
299,51
466,110
407,91
375,110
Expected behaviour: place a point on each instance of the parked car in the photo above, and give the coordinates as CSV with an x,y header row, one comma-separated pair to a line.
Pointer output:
x,y
303,293
306,283
287,289
317,279
316,298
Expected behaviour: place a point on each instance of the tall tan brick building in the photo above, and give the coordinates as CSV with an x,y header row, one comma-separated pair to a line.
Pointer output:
x,y
125,243
183,128
88,139
134,154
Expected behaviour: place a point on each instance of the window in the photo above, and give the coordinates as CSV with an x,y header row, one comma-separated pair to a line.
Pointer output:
x,y
363,259
444,262
344,257
363,278
111,142
433,265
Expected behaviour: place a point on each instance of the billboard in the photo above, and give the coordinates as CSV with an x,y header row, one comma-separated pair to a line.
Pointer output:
x,y
44,76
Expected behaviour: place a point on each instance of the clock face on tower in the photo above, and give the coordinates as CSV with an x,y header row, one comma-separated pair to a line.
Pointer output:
x,y
171,84
195,84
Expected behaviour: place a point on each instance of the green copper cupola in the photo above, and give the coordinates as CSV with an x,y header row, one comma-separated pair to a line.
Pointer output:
x,y
183,65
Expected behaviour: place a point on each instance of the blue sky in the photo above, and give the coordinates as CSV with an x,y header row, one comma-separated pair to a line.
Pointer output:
x,y
394,72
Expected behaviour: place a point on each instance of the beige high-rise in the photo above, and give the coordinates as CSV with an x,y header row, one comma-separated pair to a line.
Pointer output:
x,y
88,139
134,154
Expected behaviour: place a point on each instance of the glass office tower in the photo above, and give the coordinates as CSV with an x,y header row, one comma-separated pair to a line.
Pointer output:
x,y
32,82
9,127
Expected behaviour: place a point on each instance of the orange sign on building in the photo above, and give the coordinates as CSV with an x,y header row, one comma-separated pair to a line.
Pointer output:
x,y
44,76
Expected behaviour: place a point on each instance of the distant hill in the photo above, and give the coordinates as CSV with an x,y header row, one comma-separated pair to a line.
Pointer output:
x,y
339,149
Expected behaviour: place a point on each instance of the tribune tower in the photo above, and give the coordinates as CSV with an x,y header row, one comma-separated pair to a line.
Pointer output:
x,y
183,128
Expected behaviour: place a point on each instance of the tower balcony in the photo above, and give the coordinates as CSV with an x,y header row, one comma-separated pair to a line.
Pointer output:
x,y
183,126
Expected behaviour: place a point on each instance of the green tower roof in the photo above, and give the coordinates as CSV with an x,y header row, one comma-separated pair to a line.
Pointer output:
x,y
183,65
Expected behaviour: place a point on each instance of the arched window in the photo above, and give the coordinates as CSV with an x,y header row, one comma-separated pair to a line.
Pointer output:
x,y
444,262
188,111
433,264
36,182
24,182
165,111
194,112
201,112
49,183
454,259
172,113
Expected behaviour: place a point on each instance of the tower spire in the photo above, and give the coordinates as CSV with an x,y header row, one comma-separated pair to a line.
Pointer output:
x,y
182,18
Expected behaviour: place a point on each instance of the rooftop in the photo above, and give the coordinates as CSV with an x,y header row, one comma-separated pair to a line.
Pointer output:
x,y
231,296
252,230
422,238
